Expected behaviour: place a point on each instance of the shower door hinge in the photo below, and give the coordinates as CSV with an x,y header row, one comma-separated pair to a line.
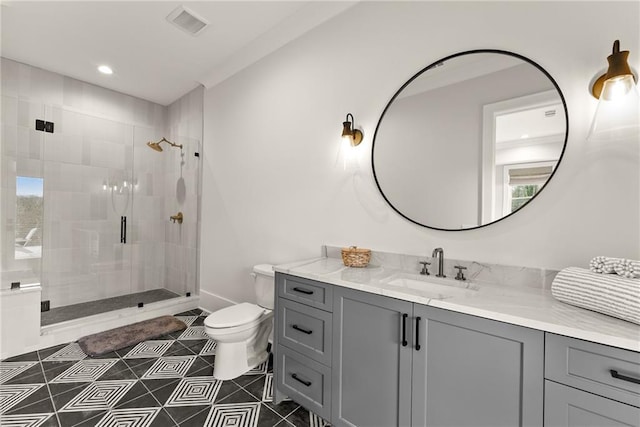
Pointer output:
x,y
140,304
196,154
45,305
15,285
41,125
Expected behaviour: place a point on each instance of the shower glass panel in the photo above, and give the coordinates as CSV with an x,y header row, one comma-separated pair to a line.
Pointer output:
x,y
21,207
88,165
86,210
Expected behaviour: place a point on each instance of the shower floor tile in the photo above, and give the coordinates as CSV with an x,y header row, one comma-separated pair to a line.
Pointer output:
x,y
133,391
76,311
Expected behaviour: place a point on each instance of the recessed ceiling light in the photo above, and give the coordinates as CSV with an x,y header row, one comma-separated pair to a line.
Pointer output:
x,y
105,69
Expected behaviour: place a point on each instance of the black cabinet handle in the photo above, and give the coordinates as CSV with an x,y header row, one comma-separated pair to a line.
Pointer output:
x,y
615,374
303,291
300,380
418,333
404,329
303,330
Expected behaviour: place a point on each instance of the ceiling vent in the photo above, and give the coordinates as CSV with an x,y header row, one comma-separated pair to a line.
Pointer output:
x,y
187,21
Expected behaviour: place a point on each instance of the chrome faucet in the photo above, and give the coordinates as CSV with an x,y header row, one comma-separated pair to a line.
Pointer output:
x,y
439,254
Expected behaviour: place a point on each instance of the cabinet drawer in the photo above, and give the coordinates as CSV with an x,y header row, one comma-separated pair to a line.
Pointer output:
x,y
592,367
305,291
306,330
567,407
304,380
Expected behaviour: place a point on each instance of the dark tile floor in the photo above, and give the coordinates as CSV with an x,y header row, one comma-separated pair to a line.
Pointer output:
x,y
76,311
160,383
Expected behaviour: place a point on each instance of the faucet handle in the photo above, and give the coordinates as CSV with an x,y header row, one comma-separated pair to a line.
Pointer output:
x,y
460,275
425,270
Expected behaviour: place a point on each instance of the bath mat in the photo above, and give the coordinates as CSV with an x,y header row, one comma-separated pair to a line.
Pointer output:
x,y
115,339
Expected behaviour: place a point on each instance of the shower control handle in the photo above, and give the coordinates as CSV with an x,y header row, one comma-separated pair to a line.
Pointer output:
x,y
177,217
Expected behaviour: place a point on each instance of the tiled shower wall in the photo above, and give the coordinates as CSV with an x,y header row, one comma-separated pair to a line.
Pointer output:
x,y
100,138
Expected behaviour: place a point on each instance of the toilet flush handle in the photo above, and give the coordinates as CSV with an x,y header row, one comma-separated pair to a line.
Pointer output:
x,y
253,275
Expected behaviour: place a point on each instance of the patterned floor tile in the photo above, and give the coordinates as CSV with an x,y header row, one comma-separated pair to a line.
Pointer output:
x,y
305,418
9,370
165,382
36,403
85,371
194,391
169,367
267,390
148,349
188,320
133,417
11,395
27,357
26,420
68,353
258,370
98,395
209,348
194,333
234,414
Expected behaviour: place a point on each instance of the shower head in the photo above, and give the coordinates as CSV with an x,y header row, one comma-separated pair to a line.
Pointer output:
x,y
156,145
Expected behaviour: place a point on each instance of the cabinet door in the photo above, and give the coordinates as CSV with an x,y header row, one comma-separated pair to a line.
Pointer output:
x,y
568,407
475,372
371,378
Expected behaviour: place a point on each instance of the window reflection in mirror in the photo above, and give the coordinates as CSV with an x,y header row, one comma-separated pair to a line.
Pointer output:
x,y
29,217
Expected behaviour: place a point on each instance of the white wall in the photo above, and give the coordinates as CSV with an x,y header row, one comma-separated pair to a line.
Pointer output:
x,y
273,192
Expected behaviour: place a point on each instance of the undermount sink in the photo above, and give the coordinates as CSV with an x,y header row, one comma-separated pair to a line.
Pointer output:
x,y
433,287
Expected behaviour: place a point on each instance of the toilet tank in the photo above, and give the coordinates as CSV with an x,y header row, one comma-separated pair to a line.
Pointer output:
x,y
264,278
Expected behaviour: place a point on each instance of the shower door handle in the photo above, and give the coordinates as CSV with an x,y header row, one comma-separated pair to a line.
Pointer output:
x,y
123,229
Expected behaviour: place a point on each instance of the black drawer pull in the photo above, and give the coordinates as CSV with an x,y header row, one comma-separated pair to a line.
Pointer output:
x,y
615,374
303,330
300,380
418,333
303,291
404,329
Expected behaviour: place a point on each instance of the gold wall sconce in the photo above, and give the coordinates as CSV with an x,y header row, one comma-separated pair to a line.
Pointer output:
x,y
617,113
354,136
156,145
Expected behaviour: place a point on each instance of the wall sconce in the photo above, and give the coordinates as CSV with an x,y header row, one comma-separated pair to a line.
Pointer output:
x,y
616,116
354,136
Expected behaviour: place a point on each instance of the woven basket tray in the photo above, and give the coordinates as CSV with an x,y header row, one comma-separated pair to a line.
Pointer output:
x,y
356,257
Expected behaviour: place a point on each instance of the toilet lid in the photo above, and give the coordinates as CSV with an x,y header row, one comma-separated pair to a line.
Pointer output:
x,y
233,316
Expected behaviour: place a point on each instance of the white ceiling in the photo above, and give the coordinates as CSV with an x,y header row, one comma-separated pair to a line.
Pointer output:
x,y
151,58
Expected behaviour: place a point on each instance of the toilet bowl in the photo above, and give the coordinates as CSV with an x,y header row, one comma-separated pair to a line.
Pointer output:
x,y
242,331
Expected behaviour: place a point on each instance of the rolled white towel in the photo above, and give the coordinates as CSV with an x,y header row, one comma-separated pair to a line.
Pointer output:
x,y
603,264
608,294
628,268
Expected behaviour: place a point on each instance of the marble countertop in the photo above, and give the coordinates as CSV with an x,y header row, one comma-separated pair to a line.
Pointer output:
x,y
530,307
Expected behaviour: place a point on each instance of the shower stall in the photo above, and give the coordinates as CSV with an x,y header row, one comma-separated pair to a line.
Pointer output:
x,y
90,198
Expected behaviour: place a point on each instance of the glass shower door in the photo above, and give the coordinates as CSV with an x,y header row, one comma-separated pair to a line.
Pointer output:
x,y
22,207
88,164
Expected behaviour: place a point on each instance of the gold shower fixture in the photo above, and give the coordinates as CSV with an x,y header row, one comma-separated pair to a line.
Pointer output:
x,y
156,145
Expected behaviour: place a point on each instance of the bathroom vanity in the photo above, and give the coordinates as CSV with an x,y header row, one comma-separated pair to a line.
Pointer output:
x,y
370,348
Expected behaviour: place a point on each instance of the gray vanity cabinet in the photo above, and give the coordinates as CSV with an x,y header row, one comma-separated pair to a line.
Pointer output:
x,y
469,371
590,385
371,381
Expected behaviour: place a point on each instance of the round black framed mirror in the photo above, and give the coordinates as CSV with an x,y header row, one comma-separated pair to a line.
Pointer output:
x,y
469,140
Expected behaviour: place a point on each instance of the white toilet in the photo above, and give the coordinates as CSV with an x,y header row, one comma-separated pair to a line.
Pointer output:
x,y
242,331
